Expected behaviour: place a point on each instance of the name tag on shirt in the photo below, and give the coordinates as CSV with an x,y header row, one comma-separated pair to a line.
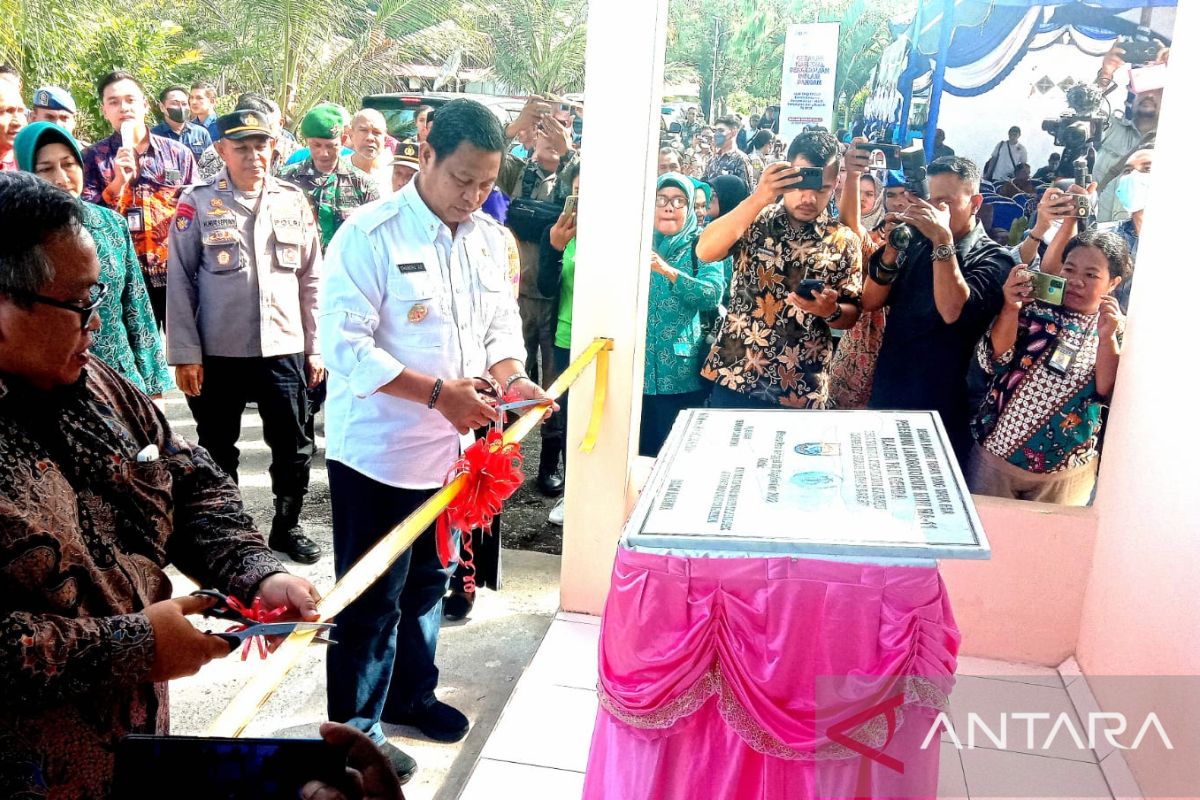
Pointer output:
x,y
406,269
173,176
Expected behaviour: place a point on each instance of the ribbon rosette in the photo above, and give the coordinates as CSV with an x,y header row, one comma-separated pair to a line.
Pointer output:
x,y
256,613
492,470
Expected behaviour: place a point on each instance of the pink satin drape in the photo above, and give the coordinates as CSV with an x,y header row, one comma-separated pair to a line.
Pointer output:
x,y
722,677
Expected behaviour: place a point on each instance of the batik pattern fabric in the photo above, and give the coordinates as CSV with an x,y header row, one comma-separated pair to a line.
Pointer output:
x,y
852,369
149,199
735,163
768,348
86,528
128,339
1033,416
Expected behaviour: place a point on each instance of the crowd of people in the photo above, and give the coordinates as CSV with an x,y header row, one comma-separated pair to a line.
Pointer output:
x,y
410,288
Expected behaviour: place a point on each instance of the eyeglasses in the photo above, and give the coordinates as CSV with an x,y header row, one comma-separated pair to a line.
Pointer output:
x,y
662,201
86,312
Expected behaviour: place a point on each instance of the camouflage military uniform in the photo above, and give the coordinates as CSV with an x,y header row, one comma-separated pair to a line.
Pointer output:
x,y
333,196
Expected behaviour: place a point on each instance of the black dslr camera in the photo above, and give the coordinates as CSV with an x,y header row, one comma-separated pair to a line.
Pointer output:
x,y
916,182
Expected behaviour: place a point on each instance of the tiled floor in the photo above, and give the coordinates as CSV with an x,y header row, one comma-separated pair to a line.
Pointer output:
x,y
539,748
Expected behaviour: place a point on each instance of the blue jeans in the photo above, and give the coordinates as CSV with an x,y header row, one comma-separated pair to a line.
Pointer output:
x,y
383,662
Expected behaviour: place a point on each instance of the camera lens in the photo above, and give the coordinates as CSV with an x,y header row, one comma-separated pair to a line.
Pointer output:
x,y
900,237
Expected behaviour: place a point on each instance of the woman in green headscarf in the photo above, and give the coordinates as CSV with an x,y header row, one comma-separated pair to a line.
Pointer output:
x,y
681,286
128,338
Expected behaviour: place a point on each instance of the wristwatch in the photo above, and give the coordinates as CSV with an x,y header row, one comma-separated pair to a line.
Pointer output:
x,y
943,252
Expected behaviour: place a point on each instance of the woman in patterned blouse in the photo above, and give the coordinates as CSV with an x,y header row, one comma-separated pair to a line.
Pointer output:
x,y
680,288
128,337
1053,369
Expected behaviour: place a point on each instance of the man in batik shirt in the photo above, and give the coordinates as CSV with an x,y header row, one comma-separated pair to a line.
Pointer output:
x,y
139,179
97,495
797,274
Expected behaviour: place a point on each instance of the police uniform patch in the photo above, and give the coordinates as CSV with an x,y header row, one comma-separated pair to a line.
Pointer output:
x,y
218,223
183,216
223,258
182,223
216,207
219,237
222,186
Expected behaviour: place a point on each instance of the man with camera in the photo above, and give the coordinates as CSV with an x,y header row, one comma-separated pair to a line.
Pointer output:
x,y
941,291
797,274
1126,134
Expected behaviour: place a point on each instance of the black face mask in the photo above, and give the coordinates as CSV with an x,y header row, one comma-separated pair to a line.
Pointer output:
x,y
175,114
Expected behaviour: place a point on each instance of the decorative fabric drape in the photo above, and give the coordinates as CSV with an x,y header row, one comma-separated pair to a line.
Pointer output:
x,y
742,677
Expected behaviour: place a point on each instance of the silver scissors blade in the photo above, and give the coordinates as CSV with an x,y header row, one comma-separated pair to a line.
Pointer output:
x,y
276,629
522,404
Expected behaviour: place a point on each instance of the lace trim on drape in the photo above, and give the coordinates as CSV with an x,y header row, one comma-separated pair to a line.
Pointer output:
x,y
918,691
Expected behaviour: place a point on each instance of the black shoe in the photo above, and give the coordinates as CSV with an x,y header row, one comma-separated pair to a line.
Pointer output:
x,y
550,483
457,605
288,536
402,762
298,547
439,722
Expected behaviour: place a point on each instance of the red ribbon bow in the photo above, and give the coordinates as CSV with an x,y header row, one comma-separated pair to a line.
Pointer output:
x,y
257,613
493,474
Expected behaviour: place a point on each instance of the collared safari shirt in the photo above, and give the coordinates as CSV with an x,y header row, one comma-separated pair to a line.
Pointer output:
x,y
768,348
401,291
244,273
195,137
148,201
735,163
334,195
86,529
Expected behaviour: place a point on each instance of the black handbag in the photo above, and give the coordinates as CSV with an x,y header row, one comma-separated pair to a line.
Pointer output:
x,y
529,219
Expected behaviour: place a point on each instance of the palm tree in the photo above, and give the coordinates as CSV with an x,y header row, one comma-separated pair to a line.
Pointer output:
x,y
537,45
302,52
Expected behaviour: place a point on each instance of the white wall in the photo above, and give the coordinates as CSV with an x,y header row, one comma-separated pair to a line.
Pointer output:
x,y
974,125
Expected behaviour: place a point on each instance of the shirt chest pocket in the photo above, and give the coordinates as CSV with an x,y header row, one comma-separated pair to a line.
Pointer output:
x,y
415,306
288,231
222,253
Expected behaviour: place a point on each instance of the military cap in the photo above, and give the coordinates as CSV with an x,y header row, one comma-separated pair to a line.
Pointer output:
x,y
325,121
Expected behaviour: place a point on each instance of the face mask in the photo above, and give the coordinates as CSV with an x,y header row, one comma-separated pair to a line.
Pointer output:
x,y
176,114
719,139
1133,191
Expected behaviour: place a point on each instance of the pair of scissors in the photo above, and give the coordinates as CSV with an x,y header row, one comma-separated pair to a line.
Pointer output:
x,y
228,608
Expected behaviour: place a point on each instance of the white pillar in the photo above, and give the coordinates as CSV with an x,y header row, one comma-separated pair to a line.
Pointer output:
x,y
625,50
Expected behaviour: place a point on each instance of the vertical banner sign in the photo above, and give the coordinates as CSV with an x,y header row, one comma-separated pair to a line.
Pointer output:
x,y
810,57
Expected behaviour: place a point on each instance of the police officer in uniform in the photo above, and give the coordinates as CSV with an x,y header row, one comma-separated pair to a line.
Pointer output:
x,y
241,315
334,186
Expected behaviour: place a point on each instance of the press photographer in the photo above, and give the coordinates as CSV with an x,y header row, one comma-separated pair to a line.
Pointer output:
x,y
941,291
1132,130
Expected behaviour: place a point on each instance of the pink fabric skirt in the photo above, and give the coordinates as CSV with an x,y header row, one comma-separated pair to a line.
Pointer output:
x,y
770,678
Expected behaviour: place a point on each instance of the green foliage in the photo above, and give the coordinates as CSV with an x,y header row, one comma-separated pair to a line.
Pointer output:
x,y
744,40
536,45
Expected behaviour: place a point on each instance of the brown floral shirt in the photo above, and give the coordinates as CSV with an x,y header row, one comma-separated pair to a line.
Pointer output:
x,y
768,348
85,531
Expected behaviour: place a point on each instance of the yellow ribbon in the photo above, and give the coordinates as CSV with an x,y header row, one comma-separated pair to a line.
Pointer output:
x,y
379,559
598,397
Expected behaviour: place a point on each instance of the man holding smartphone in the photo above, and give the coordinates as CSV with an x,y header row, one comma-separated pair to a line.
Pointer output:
x,y
797,274
941,292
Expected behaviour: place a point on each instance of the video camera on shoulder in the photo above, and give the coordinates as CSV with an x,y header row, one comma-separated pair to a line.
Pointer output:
x,y
1082,126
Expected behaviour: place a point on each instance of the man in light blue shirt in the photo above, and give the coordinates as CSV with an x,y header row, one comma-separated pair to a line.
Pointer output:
x,y
419,318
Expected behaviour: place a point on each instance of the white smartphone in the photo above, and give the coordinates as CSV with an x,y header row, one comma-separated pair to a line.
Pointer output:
x,y
127,128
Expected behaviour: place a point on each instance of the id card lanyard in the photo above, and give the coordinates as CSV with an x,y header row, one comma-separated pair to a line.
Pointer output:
x,y
1062,358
